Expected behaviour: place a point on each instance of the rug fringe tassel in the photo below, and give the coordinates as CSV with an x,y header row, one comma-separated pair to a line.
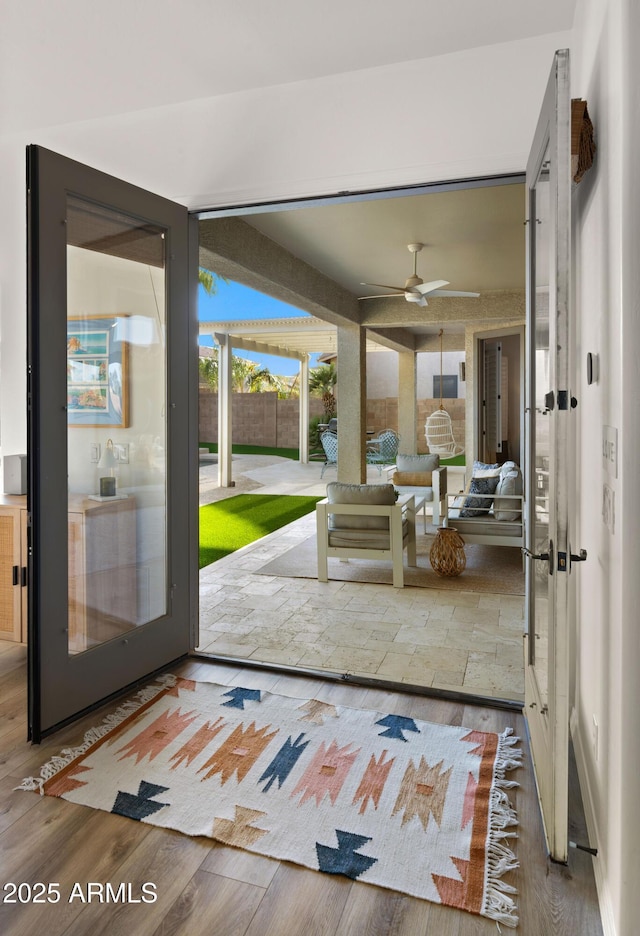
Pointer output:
x,y
67,755
498,905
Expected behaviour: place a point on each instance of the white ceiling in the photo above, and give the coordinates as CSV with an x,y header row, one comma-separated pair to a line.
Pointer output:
x,y
74,60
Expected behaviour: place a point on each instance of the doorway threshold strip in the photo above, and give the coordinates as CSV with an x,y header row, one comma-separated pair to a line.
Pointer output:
x,y
416,807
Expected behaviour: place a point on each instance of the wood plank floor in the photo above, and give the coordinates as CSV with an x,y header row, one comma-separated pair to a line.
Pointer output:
x,y
207,888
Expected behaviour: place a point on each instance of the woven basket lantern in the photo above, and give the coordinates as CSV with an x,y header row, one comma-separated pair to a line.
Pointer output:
x,y
447,556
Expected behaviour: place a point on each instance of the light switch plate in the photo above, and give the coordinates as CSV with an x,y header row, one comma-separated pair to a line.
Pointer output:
x,y
121,452
609,507
610,450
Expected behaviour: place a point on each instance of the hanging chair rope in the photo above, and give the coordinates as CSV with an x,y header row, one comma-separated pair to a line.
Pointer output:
x,y
441,406
438,428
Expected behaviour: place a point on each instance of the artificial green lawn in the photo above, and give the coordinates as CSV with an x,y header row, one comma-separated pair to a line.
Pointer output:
x,y
229,524
293,453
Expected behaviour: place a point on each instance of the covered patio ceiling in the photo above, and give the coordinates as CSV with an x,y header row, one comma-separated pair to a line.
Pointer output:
x,y
317,257
322,258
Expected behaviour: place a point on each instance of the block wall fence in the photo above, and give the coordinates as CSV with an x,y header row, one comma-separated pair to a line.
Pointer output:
x,y
263,419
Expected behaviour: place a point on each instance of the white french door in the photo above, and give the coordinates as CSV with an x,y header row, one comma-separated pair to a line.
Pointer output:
x,y
549,464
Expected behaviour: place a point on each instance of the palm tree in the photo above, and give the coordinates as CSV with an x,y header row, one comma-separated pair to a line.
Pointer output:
x,y
322,380
246,376
261,378
209,280
208,368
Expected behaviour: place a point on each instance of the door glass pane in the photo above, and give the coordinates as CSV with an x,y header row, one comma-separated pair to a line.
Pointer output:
x,y
116,424
539,644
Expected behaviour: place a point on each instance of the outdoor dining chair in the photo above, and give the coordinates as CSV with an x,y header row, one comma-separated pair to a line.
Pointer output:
x,y
383,450
329,442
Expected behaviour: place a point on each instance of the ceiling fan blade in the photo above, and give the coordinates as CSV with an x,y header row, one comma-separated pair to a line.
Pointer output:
x,y
425,288
453,292
398,289
381,296
412,296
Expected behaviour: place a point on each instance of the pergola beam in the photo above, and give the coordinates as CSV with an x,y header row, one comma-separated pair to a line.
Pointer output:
x,y
259,347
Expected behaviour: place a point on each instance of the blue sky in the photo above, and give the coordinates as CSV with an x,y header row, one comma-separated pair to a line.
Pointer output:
x,y
232,302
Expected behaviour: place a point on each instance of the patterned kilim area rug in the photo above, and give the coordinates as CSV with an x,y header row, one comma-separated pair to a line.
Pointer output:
x,y
408,805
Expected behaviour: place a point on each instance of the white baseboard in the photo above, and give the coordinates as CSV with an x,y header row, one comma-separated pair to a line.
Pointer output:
x,y
599,864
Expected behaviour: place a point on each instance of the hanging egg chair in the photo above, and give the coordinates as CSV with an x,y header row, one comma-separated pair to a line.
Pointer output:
x,y
438,428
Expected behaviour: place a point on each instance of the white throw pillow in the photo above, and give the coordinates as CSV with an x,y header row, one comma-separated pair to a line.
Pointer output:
x,y
503,507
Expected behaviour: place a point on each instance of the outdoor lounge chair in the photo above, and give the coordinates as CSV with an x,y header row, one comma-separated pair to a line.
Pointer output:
x,y
371,524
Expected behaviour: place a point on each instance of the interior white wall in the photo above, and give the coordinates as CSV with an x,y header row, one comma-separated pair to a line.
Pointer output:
x,y
606,233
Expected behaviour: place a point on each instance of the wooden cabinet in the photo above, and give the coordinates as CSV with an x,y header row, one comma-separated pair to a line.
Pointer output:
x,y
13,567
103,588
102,570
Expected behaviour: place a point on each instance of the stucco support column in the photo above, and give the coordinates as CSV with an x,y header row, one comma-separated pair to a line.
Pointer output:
x,y
407,402
352,403
304,411
224,410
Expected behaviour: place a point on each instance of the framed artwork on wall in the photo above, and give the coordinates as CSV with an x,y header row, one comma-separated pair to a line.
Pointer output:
x,y
97,374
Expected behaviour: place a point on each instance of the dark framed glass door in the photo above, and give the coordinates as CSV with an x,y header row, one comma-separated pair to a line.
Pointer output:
x,y
112,436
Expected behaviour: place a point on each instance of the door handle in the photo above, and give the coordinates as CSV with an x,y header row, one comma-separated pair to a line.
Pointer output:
x,y
562,559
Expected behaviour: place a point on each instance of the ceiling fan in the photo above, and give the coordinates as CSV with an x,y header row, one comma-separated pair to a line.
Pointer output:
x,y
415,289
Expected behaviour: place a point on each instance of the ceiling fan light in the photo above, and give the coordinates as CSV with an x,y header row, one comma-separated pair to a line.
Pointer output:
x,y
413,297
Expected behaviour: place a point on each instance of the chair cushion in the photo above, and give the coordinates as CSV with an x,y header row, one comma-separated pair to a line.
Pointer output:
x,y
476,506
415,463
484,526
341,493
365,539
413,478
505,509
